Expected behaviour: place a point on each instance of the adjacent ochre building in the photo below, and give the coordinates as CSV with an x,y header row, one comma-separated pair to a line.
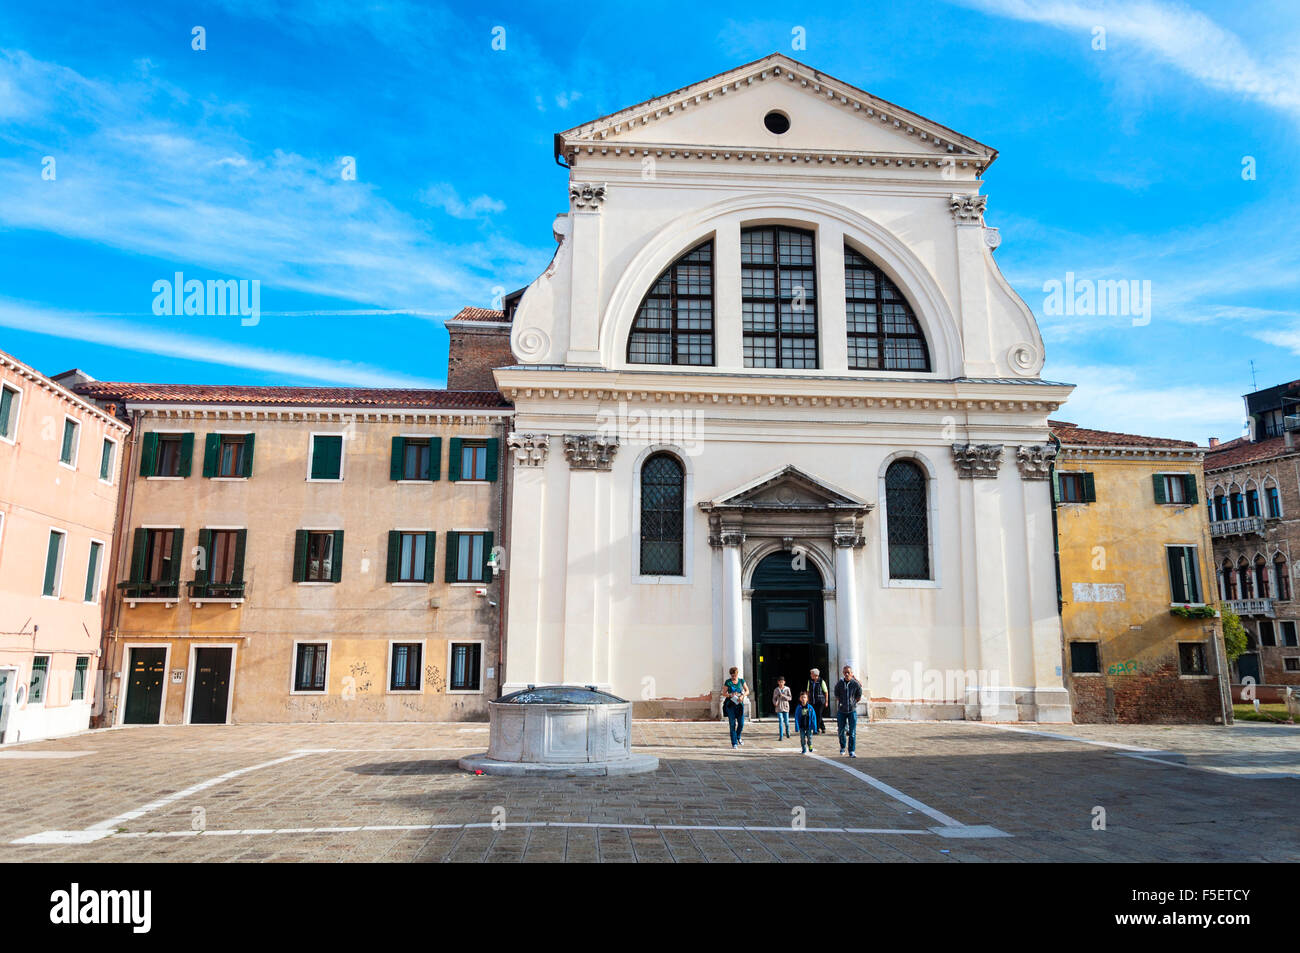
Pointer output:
x,y
59,474
1142,643
306,554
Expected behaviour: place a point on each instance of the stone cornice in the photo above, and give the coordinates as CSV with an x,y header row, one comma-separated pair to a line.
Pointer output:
x,y
322,415
59,391
1129,453
844,158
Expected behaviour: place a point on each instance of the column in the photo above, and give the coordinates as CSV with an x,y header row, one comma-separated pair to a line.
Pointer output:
x,y
847,624
733,604
590,458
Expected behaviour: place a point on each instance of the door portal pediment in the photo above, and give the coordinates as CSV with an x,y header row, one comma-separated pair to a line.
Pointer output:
x,y
788,488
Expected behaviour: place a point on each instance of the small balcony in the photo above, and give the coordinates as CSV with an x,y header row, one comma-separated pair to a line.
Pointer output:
x,y
166,591
201,592
1244,526
1262,607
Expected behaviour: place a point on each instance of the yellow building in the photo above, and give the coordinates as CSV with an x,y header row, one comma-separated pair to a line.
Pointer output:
x,y
306,554
1142,643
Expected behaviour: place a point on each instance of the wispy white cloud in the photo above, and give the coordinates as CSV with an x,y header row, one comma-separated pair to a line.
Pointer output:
x,y
138,338
1183,38
443,195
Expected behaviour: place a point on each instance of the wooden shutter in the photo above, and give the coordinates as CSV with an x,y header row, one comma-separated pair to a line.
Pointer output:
x,y
1189,485
327,457
148,454
178,553
394,546
247,469
237,571
1089,488
187,453
6,406
487,554
1158,482
397,465
57,541
139,545
491,469
453,551
201,576
300,556
430,555
453,459
435,459
336,557
1176,589
211,454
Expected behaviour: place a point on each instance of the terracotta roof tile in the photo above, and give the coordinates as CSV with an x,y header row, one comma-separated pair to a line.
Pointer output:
x,y
1069,433
1234,453
293,396
479,314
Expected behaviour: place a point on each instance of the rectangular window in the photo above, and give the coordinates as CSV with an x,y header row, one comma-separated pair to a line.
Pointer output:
x,y
1291,664
223,544
161,562
309,667
327,456
778,297
416,459
467,554
1237,506
79,678
320,557
1184,574
1266,633
71,441
169,453
1177,488
106,458
1274,502
1076,487
54,564
473,460
40,672
230,458
92,571
1084,658
1252,502
1191,658
1288,633
410,556
9,401
405,673
466,659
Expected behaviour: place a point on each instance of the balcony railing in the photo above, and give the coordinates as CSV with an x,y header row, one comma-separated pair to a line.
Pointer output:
x,y
1244,526
164,589
215,591
1262,607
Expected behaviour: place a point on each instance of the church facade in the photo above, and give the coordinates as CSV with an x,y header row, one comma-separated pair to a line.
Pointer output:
x,y
777,408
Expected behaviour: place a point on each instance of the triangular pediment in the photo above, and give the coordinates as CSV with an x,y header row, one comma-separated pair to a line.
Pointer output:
x,y
826,115
788,488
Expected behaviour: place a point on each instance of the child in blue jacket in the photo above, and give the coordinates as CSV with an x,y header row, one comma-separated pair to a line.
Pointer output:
x,y
805,719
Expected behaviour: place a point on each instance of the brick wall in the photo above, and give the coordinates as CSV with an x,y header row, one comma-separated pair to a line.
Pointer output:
x,y
1156,695
472,354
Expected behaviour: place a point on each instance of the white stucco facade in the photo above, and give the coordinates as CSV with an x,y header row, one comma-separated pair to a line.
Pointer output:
x,y
781,459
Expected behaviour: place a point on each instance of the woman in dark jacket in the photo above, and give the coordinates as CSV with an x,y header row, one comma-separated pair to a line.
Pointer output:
x,y
734,691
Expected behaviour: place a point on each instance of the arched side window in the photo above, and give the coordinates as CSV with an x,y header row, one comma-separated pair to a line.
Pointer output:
x,y
662,496
778,293
883,331
674,324
907,517
1262,588
1229,581
1283,577
1244,581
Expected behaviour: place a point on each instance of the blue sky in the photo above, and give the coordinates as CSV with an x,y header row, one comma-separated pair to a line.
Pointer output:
x,y
1123,163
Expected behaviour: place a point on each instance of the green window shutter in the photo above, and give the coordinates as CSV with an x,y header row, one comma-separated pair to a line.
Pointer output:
x,y
300,555
491,470
139,545
336,557
1089,488
178,553
201,576
92,571
211,454
6,408
1189,484
148,454
52,562
1158,482
453,459
487,555
397,465
237,571
106,460
430,555
453,550
247,470
435,458
1177,591
187,453
327,457
394,550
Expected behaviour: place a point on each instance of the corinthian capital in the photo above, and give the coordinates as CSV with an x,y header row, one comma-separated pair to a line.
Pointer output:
x,y
977,460
587,451
1035,462
967,209
529,448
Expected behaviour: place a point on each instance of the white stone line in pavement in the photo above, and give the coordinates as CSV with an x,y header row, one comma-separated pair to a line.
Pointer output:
x,y
893,792
43,754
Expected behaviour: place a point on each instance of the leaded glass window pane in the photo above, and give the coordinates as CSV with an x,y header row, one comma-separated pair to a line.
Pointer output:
x,y
883,331
908,518
778,289
662,499
680,300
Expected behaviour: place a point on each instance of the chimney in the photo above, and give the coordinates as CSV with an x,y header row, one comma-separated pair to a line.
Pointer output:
x,y
1214,442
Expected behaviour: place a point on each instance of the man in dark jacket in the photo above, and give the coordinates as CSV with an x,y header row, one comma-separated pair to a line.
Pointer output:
x,y
819,697
848,692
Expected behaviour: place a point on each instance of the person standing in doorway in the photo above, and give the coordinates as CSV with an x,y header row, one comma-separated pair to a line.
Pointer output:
x,y
781,705
735,691
818,697
848,692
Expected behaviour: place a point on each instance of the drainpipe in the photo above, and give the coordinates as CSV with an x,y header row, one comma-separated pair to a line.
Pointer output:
x,y
1055,441
1216,631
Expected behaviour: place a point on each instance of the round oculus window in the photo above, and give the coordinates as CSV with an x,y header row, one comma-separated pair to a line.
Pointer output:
x,y
777,123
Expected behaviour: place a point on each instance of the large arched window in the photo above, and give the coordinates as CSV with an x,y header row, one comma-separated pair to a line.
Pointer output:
x,y
883,331
907,517
778,293
674,324
662,497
